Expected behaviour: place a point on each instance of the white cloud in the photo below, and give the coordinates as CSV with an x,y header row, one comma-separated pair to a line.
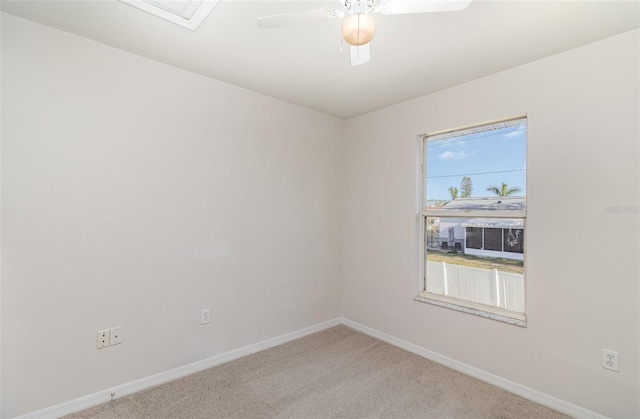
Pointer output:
x,y
455,143
453,155
514,134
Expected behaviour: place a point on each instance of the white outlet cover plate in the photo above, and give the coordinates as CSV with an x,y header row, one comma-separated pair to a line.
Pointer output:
x,y
103,338
205,318
115,335
610,360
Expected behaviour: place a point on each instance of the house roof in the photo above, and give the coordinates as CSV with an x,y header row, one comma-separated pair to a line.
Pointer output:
x,y
495,223
513,203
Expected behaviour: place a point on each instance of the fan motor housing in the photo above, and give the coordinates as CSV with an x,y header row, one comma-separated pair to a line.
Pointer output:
x,y
358,6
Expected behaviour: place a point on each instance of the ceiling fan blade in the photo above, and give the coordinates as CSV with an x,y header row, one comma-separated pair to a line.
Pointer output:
x,y
285,19
397,7
360,54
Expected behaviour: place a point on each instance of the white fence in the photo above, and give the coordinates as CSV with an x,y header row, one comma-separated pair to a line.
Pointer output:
x,y
485,286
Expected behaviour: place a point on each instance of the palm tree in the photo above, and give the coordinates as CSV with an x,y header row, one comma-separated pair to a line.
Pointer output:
x,y
504,190
466,187
453,191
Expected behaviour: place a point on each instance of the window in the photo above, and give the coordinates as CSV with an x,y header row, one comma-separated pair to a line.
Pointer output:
x,y
473,219
474,238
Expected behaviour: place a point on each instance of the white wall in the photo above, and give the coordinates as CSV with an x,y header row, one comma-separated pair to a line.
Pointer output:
x,y
136,194
582,294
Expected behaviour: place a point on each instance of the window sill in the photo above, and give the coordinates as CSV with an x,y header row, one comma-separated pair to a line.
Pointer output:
x,y
446,303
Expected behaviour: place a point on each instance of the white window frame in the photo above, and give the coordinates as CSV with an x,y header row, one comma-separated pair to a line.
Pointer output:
x,y
494,313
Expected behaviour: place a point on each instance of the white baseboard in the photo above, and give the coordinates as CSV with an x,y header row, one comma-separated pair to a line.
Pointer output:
x,y
166,376
510,386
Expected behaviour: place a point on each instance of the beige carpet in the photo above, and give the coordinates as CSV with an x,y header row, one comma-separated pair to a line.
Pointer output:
x,y
336,373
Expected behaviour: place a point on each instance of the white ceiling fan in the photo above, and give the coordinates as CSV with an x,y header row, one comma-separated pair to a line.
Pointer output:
x,y
359,25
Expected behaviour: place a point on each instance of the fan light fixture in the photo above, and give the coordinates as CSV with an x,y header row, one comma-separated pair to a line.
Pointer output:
x,y
358,29
359,26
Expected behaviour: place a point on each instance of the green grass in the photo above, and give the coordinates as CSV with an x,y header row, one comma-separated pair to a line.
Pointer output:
x,y
501,264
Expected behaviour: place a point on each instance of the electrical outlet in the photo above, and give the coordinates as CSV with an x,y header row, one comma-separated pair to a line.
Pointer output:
x,y
610,360
204,318
116,336
103,338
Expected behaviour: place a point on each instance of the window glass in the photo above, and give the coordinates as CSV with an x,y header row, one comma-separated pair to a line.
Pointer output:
x,y
493,239
474,217
514,240
478,163
474,238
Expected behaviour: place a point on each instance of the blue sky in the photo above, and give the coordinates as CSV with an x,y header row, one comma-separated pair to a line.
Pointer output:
x,y
503,150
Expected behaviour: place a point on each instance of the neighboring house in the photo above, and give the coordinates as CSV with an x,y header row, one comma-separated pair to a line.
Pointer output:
x,y
492,237
435,203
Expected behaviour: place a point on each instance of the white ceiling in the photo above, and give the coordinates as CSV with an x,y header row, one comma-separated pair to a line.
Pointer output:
x,y
412,55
